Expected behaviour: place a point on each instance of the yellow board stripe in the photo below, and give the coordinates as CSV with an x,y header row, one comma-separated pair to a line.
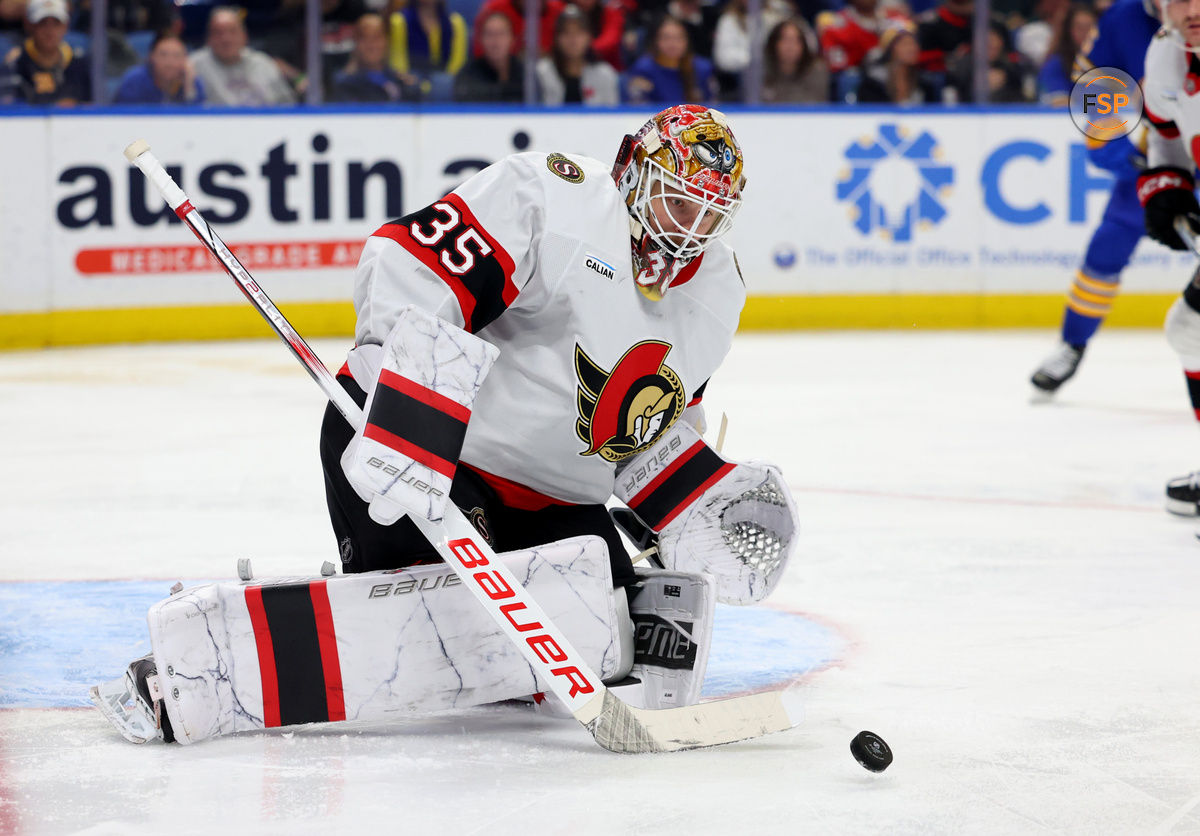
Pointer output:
x,y
939,311
131,325
782,313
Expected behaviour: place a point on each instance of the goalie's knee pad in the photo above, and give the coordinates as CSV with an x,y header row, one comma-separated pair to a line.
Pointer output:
x,y
672,615
239,656
1182,328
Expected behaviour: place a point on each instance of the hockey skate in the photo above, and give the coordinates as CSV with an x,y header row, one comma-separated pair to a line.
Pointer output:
x,y
1183,495
133,703
1058,368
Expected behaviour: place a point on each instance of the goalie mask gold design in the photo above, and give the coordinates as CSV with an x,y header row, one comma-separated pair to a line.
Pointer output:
x,y
681,177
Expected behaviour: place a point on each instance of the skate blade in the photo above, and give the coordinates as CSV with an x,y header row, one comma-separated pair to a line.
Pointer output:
x,y
120,706
1039,396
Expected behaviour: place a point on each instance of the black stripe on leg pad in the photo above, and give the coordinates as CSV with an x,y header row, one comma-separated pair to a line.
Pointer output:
x,y
1193,385
298,668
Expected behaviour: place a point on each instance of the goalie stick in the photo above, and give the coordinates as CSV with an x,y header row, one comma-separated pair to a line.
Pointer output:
x,y
1184,230
614,724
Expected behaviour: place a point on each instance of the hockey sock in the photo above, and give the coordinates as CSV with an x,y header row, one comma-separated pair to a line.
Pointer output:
x,y
1088,301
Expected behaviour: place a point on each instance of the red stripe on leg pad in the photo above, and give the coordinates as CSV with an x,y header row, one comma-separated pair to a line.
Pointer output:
x,y
266,656
327,638
417,454
415,390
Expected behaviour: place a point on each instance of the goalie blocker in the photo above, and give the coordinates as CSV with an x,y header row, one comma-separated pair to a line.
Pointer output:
x,y
240,656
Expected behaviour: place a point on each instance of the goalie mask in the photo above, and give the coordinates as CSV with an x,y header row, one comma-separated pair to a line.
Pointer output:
x,y
681,177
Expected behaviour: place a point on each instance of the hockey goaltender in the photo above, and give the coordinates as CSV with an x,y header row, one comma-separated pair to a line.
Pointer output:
x,y
527,347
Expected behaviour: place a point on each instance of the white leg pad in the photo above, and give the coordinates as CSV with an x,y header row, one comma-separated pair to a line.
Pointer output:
x,y
238,656
1182,328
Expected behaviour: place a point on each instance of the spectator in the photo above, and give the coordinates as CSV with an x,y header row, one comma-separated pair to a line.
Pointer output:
x,y
425,39
283,35
12,16
1074,36
1010,76
700,20
132,16
497,75
847,36
892,72
943,33
124,17
606,20
793,71
514,10
367,77
167,77
233,74
571,74
1033,40
731,40
669,73
45,70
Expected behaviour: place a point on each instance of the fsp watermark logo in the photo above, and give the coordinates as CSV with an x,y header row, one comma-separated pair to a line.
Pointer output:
x,y
1106,103
896,182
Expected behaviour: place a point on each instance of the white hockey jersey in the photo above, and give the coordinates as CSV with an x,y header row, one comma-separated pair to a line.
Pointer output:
x,y
533,255
1171,91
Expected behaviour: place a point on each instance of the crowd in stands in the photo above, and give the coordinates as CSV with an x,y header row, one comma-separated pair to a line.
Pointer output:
x,y
590,52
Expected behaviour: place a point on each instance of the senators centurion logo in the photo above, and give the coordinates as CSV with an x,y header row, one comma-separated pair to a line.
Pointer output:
x,y
624,411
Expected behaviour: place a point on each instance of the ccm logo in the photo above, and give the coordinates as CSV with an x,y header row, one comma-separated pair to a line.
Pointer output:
x,y
497,589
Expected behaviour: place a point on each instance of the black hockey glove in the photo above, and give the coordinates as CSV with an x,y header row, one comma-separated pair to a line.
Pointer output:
x,y
1167,193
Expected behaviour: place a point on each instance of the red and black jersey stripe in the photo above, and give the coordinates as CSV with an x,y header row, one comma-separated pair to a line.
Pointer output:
x,y
427,427
485,289
297,653
680,484
1193,385
1167,128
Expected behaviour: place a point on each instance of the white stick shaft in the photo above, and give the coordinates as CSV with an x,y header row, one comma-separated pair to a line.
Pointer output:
x,y
139,154
1184,230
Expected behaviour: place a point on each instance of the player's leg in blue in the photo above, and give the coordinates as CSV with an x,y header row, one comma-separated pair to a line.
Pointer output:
x,y
1095,285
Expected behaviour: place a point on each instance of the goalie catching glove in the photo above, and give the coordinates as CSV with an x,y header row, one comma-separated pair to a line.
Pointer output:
x,y
734,521
402,460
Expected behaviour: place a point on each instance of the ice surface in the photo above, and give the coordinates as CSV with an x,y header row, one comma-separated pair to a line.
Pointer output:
x,y
1016,614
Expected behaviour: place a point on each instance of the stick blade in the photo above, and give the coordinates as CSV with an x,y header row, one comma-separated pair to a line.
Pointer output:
x,y
620,727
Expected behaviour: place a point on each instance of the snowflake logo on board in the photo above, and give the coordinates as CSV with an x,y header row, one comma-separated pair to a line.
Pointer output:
x,y
895,183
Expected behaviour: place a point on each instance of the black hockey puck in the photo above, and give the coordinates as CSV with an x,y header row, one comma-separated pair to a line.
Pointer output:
x,y
870,750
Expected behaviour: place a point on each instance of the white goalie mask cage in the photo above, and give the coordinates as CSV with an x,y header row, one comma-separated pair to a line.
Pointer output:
x,y
700,216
